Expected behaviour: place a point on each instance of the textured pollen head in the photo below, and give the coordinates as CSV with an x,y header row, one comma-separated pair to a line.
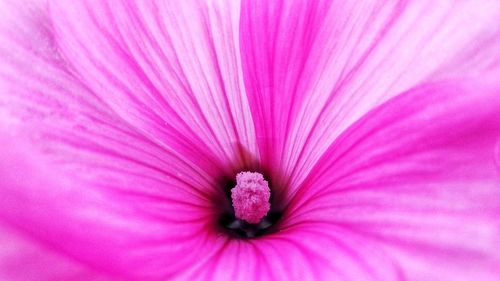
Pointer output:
x,y
250,197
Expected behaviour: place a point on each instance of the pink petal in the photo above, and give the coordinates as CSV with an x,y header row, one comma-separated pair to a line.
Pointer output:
x,y
82,183
303,253
169,68
417,176
312,68
21,259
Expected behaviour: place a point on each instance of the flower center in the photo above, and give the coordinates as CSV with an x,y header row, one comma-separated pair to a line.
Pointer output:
x,y
255,209
250,197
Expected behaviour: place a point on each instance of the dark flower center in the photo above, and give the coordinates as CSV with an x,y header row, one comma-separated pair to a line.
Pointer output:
x,y
252,213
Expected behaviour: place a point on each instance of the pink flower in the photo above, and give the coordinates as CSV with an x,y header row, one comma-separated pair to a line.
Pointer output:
x,y
374,124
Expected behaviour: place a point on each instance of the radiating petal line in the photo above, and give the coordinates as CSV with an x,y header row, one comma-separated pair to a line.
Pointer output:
x,y
348,58
179,70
